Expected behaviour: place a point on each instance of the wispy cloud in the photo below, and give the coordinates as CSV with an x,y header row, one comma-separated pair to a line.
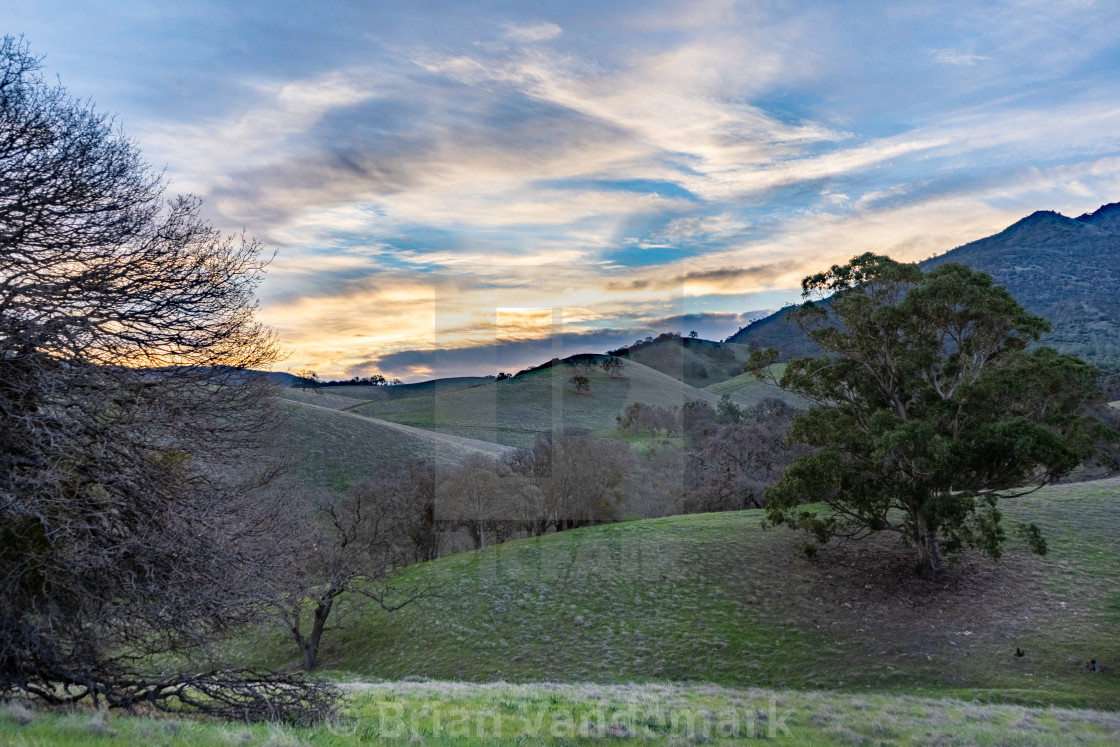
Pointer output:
x,y
955,57
531,32
632,161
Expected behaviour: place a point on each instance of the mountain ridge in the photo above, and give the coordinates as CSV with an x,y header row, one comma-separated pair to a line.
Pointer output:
x,y
1064,269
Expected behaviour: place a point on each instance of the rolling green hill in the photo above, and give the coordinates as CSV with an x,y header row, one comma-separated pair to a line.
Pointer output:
x,y
1064,269
716,598
688,625
336,435
515,411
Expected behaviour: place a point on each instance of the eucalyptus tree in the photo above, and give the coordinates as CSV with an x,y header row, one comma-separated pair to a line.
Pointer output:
x,y
930,405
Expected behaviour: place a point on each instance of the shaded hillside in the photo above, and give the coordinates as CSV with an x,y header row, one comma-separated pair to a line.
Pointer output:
x,y
1064,269
698,363
405,391
775,331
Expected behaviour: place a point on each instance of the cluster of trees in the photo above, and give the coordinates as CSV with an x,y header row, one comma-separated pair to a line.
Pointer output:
x,y
730,461
308,379
730,453
694,418
639,416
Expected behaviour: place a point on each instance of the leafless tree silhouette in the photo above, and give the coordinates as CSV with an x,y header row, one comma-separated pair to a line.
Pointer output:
x,y
130,432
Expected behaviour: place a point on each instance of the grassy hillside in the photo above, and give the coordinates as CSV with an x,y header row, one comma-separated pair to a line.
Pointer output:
x,y
331,447
715,598
515,411
748,390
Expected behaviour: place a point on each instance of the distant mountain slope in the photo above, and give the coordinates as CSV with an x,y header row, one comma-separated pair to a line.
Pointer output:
x,y
1064,269
775,331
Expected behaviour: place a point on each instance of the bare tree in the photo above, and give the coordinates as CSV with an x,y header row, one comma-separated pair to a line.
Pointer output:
x,y
580,479
128,424
656,485
698,420
348,546
483,496
728,470
536,511
417,481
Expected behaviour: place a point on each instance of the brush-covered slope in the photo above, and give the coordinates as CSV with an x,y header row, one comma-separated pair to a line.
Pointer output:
x,y
1064,269
331,447
516,411
716,598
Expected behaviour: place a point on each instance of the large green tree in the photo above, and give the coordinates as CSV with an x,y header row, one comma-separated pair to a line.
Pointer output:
x,y
929,407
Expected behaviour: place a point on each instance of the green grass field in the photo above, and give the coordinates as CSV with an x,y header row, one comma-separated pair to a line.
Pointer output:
x,y
710,629
715,598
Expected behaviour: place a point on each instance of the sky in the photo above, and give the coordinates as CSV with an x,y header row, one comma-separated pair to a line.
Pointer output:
x,y
462,188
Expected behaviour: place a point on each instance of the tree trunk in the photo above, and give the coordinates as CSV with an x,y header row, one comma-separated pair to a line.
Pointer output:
x,y
929,562
310,644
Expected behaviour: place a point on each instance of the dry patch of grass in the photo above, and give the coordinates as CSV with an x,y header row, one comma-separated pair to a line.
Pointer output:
x,y
456,713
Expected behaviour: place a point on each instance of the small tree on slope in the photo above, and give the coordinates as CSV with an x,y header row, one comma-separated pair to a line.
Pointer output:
x,y
928,409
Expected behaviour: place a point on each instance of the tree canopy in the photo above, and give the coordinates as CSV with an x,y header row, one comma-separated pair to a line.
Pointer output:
x,y
930,406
